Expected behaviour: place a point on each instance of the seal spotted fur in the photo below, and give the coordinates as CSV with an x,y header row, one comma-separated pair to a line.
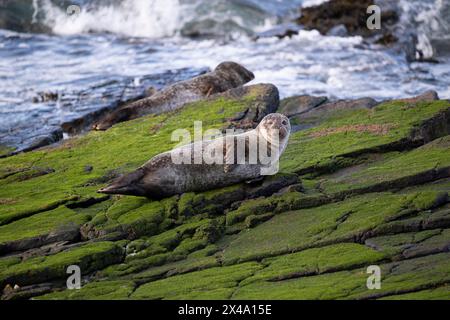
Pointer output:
x,y
160,177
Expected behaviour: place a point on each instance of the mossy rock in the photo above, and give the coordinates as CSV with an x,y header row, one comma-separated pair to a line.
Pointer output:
x,y
385,127
347,220
439,293
396,278
102,290
89,257
120,149
372,188
213,283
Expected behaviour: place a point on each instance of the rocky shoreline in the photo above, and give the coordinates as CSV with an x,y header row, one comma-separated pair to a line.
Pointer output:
x,y
362,182
339,18
343,18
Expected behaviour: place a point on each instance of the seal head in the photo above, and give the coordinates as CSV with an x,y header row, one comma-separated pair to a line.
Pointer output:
x,y
274,127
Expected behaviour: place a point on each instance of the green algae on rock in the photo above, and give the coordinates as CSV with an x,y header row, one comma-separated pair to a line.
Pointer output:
x,y
104,290
353,132
363,186
118,149
398,277
89,257
343,221
213,283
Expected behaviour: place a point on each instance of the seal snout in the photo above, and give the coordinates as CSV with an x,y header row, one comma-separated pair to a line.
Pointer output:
x,y
283,132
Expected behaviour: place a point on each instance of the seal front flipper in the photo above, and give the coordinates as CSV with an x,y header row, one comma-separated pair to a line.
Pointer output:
x,y
229,159
236,150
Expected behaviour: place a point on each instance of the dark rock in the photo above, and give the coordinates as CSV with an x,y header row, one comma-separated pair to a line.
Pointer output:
x,y
77,125
315,116
348,13
46,97
32,173
45,250
253,220
226,75
44,140
210,232
299,104
27,292
69,233
82,108
102,99
297,187
433,128
271,185
427,96
386,39
88,168
85,202
400,183
266,100
210,28
280,31
7,290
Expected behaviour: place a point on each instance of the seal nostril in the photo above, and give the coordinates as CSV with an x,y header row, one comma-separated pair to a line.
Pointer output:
x,y
284,122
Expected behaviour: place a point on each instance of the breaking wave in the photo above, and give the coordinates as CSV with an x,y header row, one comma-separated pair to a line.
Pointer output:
x,y
146,18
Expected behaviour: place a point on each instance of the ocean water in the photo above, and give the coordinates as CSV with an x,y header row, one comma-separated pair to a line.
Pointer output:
x,y
90,55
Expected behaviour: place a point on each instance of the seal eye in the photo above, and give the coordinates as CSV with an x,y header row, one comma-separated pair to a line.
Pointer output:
x,y
284,122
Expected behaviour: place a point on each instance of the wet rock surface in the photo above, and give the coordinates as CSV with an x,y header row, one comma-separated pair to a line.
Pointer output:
x,y
300,104
308,111
366,183
343,18
225,76
77,111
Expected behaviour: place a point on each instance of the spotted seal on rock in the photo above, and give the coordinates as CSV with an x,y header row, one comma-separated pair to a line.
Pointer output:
x,y
209,164
225,76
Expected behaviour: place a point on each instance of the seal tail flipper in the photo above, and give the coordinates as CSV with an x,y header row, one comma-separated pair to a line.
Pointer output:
x,y
117,189
127,184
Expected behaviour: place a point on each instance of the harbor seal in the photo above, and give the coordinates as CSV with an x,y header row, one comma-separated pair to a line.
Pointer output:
x,y
165,175
226,75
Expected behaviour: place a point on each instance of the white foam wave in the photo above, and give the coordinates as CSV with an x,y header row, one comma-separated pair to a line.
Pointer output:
x,y
155,18
135,18
310,3
431,20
